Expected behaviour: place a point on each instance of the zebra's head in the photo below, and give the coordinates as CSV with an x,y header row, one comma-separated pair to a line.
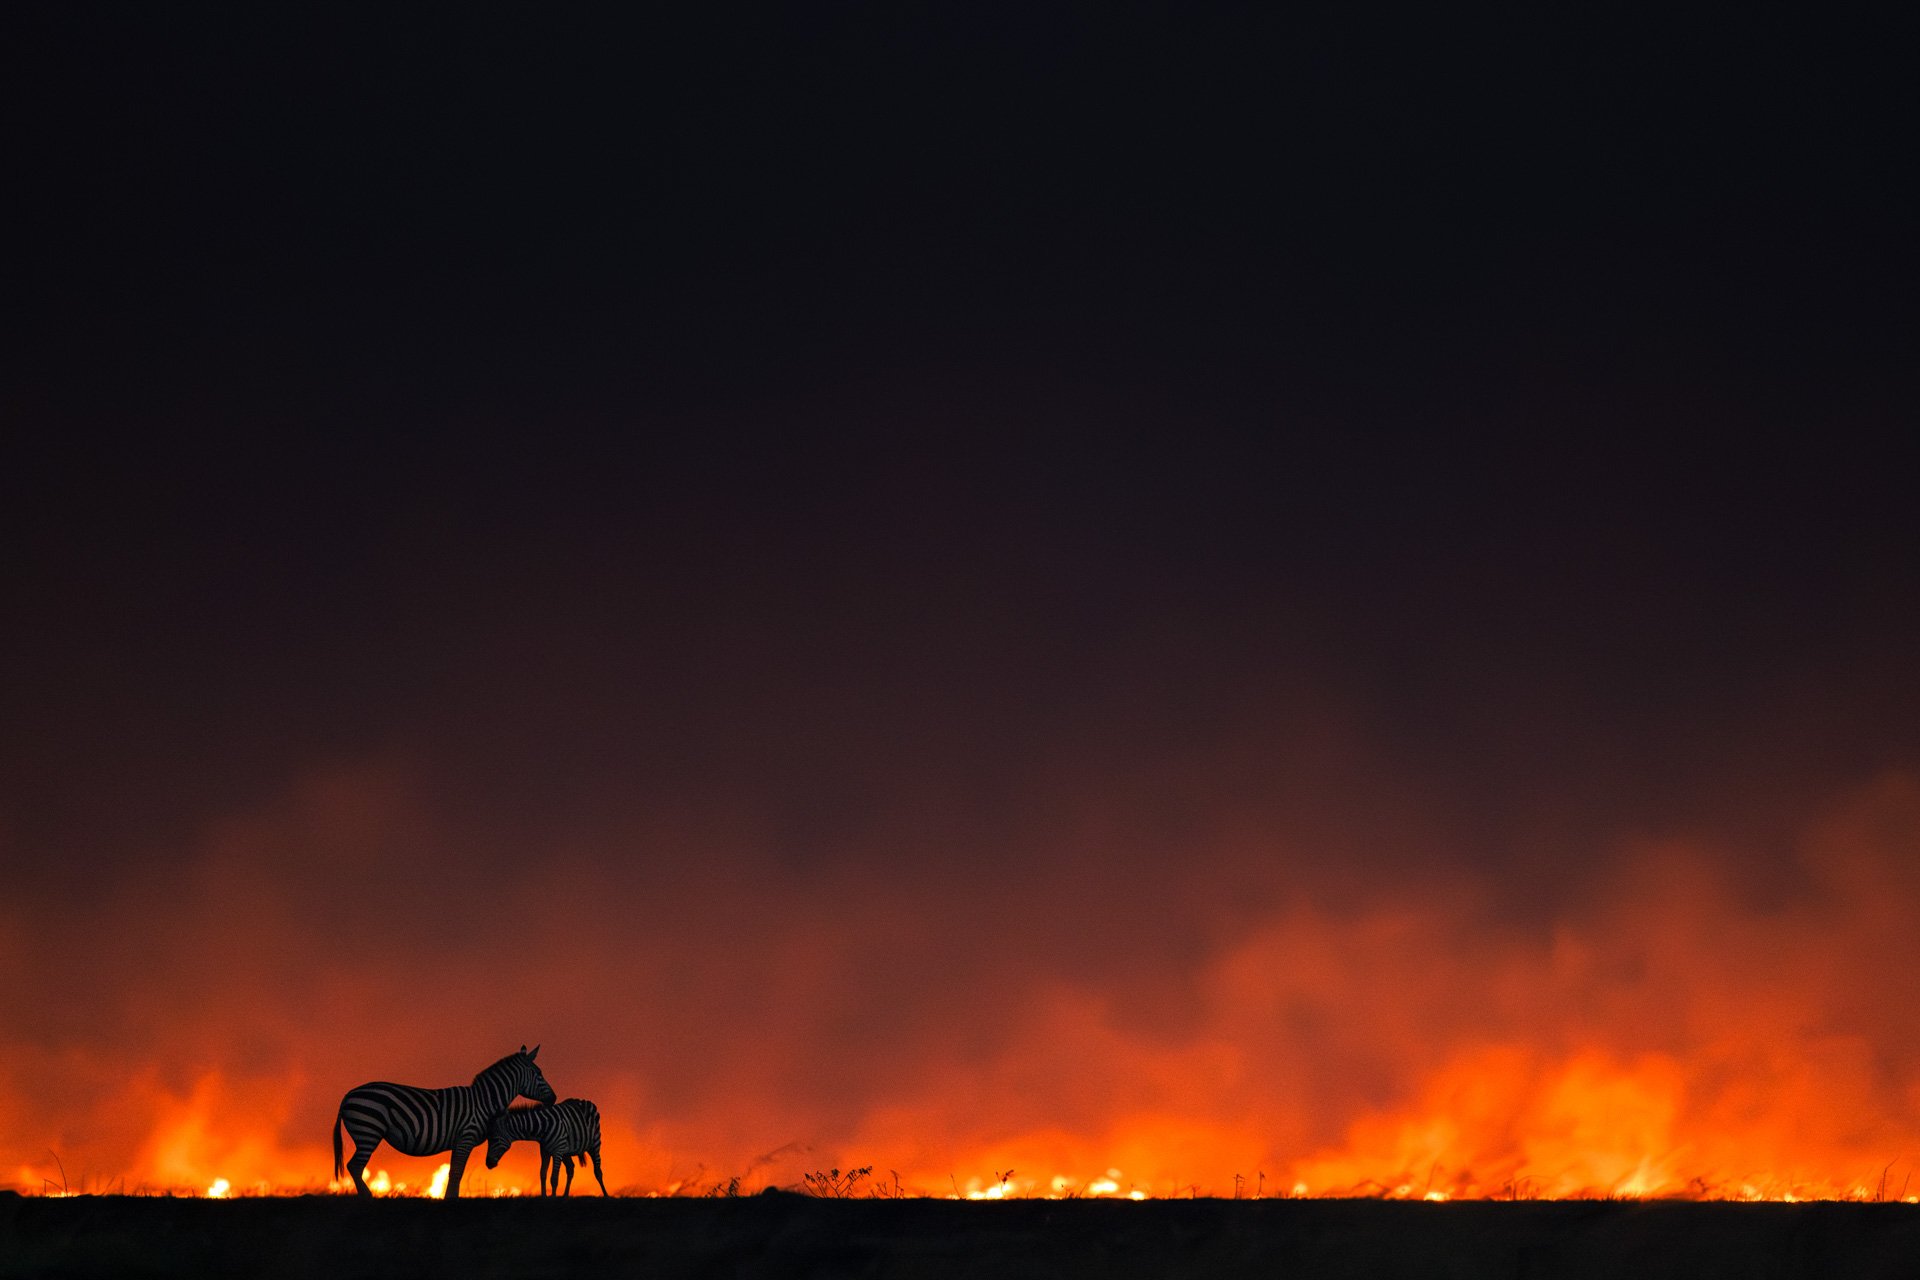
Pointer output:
x,y
532,1083
499,1138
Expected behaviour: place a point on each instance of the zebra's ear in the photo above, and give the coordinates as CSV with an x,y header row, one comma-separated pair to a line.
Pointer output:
x,y
523,1048
534,1054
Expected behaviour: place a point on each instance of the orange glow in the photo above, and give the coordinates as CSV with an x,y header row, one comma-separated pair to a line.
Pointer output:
x,y
1677,1035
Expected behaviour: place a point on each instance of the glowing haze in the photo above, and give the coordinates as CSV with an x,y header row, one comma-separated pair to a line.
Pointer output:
x,y
1000,840
1681,1031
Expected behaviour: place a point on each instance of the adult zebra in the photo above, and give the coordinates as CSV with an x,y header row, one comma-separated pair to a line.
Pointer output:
x,y
569,1129
425,1122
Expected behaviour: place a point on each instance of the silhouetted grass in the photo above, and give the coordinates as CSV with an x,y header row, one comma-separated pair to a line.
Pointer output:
x,y
787,1234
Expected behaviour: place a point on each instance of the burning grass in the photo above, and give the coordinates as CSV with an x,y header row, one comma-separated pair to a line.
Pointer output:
x,y
1890,1184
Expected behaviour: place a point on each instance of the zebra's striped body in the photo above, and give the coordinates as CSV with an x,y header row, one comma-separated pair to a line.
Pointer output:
x,y
424,1122
564,1130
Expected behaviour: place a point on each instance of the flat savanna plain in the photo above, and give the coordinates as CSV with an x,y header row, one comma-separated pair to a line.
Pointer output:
x,y
791,1236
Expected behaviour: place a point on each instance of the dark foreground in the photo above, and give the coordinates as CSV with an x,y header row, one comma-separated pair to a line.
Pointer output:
x,y
793,1237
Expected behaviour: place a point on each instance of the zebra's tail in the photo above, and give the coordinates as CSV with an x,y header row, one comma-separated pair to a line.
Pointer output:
x,y
338,1121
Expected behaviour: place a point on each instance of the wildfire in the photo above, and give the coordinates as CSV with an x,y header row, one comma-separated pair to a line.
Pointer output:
x,y
1500,1121
1677,1035
1495,1122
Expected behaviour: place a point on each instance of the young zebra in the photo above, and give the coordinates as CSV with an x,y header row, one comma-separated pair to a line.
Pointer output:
x,y
424,1122
566,1130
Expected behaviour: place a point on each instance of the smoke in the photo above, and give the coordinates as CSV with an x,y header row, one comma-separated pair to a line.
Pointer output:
x,y
1693,1021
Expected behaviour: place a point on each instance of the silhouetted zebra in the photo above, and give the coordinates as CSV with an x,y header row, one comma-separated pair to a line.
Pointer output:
x,y
425,1122
563,1131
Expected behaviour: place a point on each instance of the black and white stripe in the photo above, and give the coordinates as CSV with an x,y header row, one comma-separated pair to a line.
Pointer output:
x,y
565,1130
424,1122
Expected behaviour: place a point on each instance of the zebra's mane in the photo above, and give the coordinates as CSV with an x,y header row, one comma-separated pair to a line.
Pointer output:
x,y
501,1067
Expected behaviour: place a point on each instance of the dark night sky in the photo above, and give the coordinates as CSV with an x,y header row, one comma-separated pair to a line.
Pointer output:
x,y
982,443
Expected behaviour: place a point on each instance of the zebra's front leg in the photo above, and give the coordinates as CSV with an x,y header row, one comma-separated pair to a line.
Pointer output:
x,y
569,1175
546,1161
455,1168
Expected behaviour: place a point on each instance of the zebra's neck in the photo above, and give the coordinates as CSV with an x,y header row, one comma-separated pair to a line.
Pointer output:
x,y
496,1087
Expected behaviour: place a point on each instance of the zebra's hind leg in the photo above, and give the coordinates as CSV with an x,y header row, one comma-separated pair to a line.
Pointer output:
x,y
594,1151
357,1165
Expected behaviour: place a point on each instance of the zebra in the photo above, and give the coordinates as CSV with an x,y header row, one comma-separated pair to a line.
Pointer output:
x,y
565,1130
424,1122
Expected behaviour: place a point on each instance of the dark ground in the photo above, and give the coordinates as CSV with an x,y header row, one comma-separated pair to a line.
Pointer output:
x,y
790,1236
